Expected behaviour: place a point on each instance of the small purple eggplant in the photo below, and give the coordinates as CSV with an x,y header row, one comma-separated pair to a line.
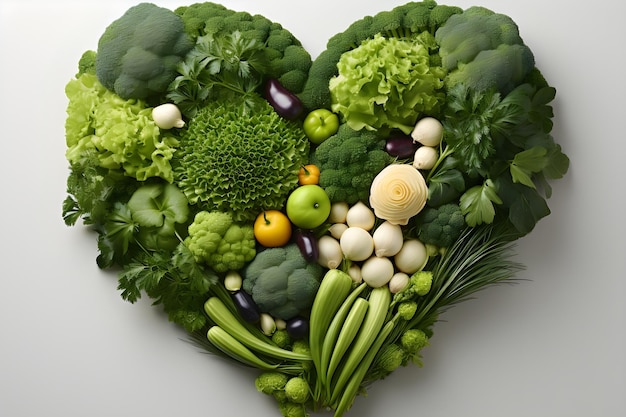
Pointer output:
x,y
401,146
307,243
246,306
284,102
298,327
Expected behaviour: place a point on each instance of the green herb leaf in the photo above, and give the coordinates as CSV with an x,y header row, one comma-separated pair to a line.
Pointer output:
x,y
526,163
445,186
477,203
526,206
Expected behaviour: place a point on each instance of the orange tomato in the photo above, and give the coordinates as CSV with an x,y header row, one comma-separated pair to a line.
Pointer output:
x,y
309,174
272,229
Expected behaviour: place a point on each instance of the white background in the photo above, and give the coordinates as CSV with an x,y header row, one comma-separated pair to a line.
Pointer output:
x,y
552,345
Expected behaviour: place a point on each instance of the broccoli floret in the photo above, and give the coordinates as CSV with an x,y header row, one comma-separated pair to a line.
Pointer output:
x,y
281,282
419,285
271,382
390,358
87,63
348,162
483,50
413,341
138,53
407,309
440,226
215,239
288,61
402,21
297,390
289,409
281,338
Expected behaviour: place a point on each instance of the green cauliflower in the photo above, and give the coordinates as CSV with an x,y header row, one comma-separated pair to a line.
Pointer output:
x,y
440,226
138,53
483,50
215,239
348,162
281,282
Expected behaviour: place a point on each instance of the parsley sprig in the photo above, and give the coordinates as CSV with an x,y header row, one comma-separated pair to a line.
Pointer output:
x,y
221,66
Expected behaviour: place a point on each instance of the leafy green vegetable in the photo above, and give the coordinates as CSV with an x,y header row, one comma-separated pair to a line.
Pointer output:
x,y
159,206
121,133
220,66
387,83
401,22
477,203
175,281
528,162
240,163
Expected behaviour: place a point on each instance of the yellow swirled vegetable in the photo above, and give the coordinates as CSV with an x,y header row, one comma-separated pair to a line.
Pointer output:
x,y
398,193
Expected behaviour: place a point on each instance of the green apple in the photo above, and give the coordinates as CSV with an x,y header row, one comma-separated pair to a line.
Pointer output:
x,y
308,206
320,124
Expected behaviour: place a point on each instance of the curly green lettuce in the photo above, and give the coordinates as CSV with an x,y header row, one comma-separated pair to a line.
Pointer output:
x,y
387,83
237,162
120,132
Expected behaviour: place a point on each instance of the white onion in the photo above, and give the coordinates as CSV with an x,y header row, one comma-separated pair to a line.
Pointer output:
x,y
376,271
388,239
412,257
359,215
329,252
356,244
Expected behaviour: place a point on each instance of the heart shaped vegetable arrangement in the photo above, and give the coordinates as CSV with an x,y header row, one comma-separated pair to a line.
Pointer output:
x,y
310,219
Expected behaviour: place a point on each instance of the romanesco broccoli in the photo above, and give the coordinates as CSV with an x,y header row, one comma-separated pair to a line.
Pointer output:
x,y
215,239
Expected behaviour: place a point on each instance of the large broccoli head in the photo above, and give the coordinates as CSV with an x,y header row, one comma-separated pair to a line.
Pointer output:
x,y
138,53
483,50
348,162
281,282
216,240
287,60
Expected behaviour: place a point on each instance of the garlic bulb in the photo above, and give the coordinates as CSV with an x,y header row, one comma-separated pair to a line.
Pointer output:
x,y
425,157
399,281
167,116
338,212
428,131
